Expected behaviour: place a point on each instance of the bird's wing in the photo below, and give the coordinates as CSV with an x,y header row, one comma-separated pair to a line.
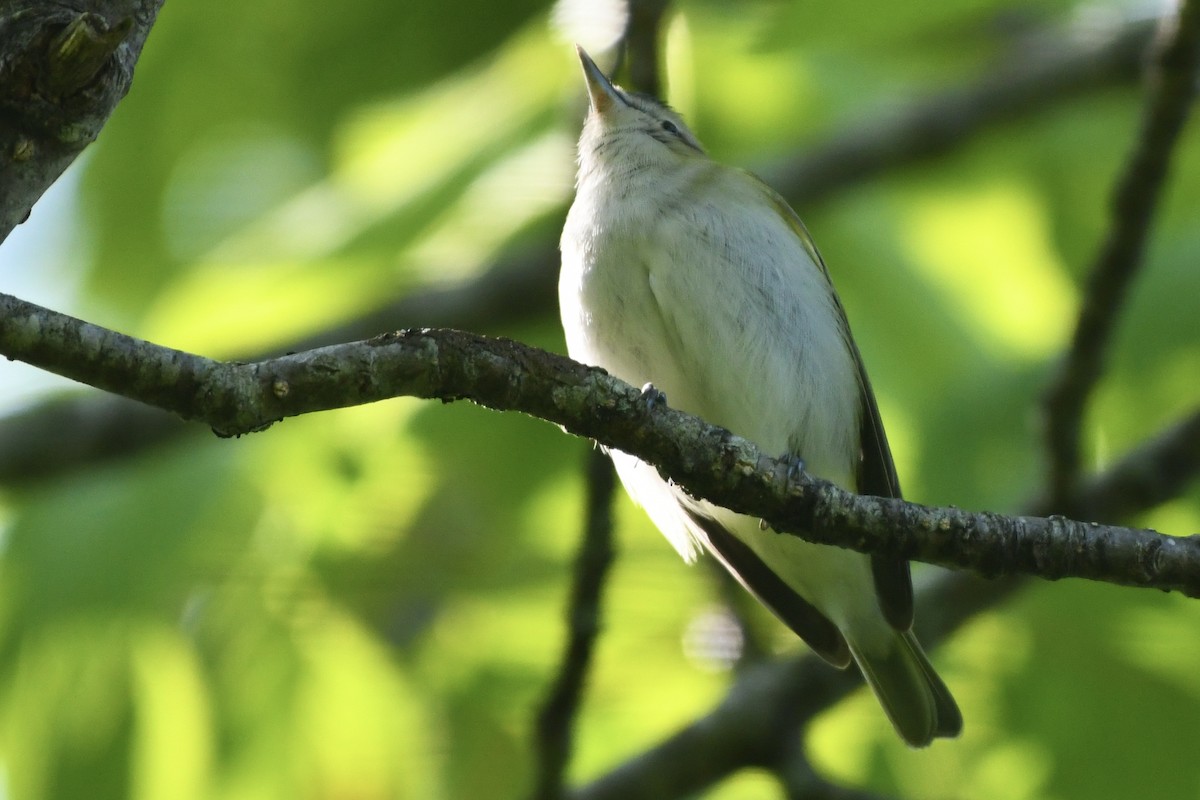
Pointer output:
x,y
761,581
876,470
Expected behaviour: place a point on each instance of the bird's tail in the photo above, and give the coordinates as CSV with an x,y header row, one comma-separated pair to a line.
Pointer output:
x,y
914,697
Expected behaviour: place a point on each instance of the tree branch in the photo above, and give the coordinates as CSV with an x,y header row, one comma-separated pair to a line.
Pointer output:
x,y
709,462
77,431
759,721
1173,86
641,41
767,713
64,66
801,782
1041,74
1156,471
780,698
596,553
556,716
1041,71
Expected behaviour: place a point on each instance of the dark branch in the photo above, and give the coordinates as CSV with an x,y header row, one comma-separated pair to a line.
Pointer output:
x,y
709,462
759,720
1173,86
1039,73
1157,471
801,782
556,717
641,43
780,699
1040,76
596,553
77,431
64,66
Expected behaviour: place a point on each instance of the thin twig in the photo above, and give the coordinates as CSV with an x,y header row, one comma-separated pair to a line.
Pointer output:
x,y
1172,88
1038,74
1155,472
596,552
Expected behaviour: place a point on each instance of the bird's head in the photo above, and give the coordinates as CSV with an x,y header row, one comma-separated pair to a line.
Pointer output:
x,y
629,129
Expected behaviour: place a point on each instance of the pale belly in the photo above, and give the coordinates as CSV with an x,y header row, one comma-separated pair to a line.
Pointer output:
x,y
742,373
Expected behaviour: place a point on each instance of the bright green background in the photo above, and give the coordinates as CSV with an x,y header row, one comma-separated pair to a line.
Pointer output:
x,y
368,603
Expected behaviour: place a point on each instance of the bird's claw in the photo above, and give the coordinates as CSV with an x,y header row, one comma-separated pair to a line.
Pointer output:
x,y
652,398
795,468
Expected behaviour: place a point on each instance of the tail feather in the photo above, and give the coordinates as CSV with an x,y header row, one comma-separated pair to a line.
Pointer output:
x,y
915,699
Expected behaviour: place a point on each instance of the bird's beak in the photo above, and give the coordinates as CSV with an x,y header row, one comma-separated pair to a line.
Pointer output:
x,y
601,94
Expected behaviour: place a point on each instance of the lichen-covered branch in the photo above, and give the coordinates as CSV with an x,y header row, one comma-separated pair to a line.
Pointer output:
x,y
1042,73
772,703
1173,87
708,461
64,66
73,432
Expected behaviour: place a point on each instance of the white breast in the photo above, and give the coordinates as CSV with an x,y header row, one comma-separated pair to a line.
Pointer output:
x,y
716,302
699,285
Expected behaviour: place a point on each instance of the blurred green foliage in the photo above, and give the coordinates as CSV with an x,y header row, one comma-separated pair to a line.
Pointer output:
x,y
368,603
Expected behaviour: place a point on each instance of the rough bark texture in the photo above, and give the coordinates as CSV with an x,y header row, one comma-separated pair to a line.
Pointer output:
x,y
1040,72
64,66
710,462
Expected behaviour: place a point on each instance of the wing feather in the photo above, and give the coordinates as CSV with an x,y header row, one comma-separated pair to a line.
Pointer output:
x,y
876,469
798,614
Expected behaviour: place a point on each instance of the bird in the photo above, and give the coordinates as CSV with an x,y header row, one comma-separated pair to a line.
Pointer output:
x,y
699,282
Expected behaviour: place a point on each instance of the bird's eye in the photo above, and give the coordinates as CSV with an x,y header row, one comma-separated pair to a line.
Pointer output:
x,y
670,127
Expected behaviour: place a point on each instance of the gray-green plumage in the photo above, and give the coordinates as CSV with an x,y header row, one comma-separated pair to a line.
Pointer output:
x,y
700,279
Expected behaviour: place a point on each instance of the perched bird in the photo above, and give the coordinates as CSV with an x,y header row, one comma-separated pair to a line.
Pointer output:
x,y
699,279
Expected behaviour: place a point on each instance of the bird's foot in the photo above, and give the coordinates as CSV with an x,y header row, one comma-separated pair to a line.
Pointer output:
x,y
794,468
652,398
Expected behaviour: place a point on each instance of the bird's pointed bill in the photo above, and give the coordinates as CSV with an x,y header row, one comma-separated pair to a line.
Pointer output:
x,y
601,93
